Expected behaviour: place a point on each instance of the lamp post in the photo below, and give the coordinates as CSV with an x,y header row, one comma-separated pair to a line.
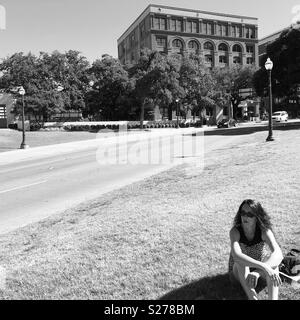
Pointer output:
x,y
269,67
230,101
23,144
177,112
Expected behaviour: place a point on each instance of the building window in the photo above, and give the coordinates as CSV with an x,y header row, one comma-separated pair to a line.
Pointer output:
x,y
250,60
173,24
236,31
161,41
191,27
160,23
250,34
236,60
3,111
223,47
163,24
208,58
193,45
237,48
208,46
222,59
177,44
249,49
142,30
207,28
194,27
222,30
176,25
233,31
132,39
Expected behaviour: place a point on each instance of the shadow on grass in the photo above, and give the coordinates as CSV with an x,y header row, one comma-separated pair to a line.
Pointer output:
x,y
217,287
249,130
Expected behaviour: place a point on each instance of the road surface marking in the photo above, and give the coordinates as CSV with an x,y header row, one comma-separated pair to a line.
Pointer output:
x,y
22,187
40,164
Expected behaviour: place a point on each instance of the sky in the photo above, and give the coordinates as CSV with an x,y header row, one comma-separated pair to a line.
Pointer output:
x,y
93,26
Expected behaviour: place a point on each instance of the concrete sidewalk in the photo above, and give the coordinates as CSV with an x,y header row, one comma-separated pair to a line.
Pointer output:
x,y
103,139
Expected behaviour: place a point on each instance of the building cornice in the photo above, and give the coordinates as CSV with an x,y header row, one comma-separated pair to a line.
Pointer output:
x,y
204,12
213,15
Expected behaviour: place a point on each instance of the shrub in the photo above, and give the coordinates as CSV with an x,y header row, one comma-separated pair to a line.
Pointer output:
x,y
35,126
13,126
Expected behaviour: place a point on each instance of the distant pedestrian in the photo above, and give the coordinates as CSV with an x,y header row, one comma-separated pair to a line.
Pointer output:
x,y
254,252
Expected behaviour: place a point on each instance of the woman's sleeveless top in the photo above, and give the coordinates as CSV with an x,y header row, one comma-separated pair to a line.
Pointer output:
x,y
256,248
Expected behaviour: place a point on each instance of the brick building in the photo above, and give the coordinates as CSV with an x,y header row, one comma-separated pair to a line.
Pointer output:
x,y
221,39
6,105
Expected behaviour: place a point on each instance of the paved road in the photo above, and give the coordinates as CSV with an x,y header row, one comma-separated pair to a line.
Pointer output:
x,y
35,187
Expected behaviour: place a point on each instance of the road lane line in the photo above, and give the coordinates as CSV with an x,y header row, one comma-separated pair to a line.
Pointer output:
x,y
40,164
22,187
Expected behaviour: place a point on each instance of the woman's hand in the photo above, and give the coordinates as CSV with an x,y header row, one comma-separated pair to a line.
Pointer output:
x,y
252,279
273,274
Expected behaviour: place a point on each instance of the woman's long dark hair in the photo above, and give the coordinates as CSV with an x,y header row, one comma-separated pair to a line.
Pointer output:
x,y
263,219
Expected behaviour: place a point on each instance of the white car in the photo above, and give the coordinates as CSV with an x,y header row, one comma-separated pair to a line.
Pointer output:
x,y
280,116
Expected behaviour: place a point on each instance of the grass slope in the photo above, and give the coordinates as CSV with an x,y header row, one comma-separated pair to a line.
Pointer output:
x,y
163,238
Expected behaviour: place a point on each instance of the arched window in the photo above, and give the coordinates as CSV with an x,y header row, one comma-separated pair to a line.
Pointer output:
x,y
223,47
177,44
237,48
193,45
208,46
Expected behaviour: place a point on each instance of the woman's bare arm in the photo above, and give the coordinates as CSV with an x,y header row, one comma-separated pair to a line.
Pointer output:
x,y
276,256
237,253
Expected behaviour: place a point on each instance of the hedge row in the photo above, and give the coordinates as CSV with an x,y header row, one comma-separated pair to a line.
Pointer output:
x,y
131,125
95,127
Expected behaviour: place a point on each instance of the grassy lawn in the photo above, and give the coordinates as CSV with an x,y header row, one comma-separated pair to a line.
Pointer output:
x,y
11,139
163,238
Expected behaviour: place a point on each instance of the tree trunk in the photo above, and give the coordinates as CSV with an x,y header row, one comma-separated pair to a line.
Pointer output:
x,y
235,110
142,115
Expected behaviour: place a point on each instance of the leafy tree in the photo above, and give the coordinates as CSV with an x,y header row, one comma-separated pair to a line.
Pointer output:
x,y
68,70
285,54
156,80
43,76
111,85
198,84
229,81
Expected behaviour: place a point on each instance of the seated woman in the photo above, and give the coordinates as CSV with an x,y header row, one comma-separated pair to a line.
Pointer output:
x,y
254,252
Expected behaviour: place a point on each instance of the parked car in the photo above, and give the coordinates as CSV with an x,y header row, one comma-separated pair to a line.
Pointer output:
x,y
225,123
280,116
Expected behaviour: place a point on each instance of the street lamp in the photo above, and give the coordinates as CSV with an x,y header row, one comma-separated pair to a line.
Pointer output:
x,y
23,144
177,112
230,103
269,67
